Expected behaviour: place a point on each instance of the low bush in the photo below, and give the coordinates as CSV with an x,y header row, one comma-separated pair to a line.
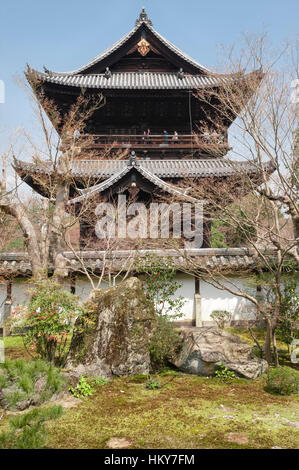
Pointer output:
x,y
221,317
153,384
82,389
165,342
47,321
28,431
223,373
283,381
160,286
100,381
24,383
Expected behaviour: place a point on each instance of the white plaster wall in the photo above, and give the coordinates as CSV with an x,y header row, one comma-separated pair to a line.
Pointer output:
x,y
187,292
83,288
2,299
217,299
19,292
2,294
211,297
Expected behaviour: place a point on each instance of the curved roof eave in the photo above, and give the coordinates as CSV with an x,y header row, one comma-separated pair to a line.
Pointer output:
x,y
176,191
133,80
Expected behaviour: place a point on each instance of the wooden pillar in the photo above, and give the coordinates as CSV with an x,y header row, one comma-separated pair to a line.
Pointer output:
x,y
197,303
73,283
7,308
2,354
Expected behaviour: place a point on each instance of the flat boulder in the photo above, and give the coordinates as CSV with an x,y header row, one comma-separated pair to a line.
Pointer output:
x,y
112,338
204,349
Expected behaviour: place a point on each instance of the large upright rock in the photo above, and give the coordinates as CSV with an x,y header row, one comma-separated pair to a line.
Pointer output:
x,y
204,349
113,337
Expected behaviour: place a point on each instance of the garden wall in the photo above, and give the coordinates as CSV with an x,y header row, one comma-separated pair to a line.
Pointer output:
x,y
209,298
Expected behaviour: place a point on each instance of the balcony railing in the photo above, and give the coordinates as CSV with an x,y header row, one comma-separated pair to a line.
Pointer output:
x,y
169,141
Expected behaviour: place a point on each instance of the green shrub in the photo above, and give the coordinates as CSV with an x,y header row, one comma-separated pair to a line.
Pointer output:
x,y
220,317
28,431
3,381
165,342
19,378
153,384
287,329
83,388
26,383
159,284
283,381
100,381
48,321
223,373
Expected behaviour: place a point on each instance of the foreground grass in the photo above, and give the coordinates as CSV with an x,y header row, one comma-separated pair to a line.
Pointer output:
x,y
187,412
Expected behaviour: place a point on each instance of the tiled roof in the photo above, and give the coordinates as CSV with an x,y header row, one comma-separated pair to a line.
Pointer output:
x,y
135,80
162,168
178,192
228,259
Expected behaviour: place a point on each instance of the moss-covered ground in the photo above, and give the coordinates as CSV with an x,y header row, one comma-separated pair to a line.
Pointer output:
x,y
186,412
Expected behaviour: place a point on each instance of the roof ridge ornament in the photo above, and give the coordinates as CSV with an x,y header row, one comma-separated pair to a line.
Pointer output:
x,y
108,73
47,71
133,159
180,74
143,18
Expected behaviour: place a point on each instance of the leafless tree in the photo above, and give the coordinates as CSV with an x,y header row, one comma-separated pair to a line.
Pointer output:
x,y
265,130
44,240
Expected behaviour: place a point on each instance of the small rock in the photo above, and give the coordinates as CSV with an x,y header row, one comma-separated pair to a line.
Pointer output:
x,y
40,384
119,443
23,404
237,438
67,400
291,424
227,409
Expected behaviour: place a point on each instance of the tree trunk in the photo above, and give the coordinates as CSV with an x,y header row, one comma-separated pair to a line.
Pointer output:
x,y
58,228
30,236
268,354
276,359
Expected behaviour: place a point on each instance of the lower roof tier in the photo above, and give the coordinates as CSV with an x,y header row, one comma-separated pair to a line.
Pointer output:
x,y
169,176
101,169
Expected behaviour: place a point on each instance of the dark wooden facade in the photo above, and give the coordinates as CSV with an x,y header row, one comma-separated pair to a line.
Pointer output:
x,y
147,83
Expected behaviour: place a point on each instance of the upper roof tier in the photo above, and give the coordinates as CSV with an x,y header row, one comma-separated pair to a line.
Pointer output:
x,y
144,39
142,59
146,82
136,80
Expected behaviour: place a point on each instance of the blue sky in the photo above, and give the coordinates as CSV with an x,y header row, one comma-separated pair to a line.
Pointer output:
x,y
64,34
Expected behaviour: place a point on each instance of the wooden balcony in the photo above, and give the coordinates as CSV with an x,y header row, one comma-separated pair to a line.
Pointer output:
x,y
206,144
